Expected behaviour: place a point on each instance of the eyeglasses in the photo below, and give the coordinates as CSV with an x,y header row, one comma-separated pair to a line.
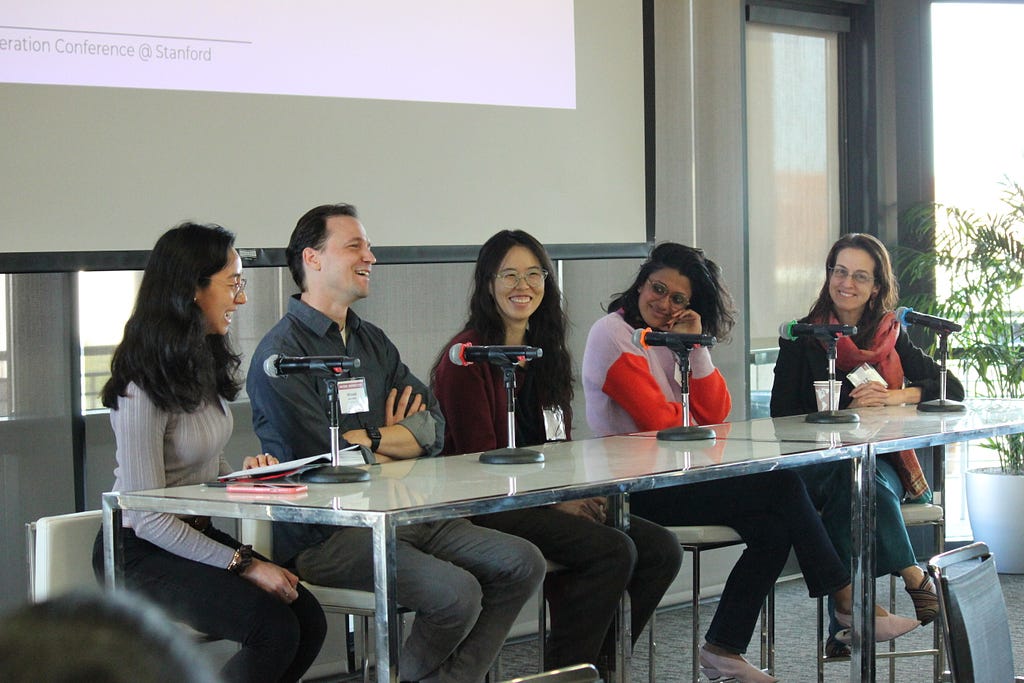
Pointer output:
x,y
238,287
860,277
534,277
660,289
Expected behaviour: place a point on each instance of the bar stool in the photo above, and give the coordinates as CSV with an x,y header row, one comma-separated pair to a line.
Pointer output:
x,y
695,540
914,514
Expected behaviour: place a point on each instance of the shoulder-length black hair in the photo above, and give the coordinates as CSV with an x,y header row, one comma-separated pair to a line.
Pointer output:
x,y
879,304
708,296
548,326
165,349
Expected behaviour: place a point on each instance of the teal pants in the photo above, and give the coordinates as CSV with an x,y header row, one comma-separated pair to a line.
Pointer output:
x,y
829,487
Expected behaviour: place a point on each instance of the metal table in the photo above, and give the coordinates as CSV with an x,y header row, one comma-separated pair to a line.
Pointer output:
x,y
428,489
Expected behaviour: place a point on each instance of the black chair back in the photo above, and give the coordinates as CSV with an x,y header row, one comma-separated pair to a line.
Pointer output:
x,y
973,615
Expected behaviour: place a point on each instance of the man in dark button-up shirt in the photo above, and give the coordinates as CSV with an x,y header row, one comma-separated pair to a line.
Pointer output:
x,y
487,575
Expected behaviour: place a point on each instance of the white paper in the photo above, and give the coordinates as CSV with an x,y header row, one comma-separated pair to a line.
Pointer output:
x,y
350,455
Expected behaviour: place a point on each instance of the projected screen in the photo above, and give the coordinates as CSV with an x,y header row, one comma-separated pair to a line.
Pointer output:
x,y
442,120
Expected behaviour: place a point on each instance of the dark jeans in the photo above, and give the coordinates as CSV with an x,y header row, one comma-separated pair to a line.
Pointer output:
x,y
278,641
600,563
772,513
466,584
829,485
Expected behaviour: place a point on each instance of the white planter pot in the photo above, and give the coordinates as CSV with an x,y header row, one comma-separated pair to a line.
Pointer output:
x,y
995,504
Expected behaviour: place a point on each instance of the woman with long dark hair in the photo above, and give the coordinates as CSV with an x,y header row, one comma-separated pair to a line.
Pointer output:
x,y
171,378
628,389
516,301
860,289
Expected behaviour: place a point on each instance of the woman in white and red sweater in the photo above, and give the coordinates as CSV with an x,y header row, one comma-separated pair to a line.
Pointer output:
x,y
629,389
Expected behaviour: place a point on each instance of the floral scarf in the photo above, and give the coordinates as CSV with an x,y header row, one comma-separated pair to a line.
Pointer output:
x,y
882,355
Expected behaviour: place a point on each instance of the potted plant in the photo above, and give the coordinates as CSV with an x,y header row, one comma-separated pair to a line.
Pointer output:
x,y
982,257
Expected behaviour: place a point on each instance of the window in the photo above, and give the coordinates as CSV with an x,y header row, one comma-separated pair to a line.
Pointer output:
x,y
793,181
979,142
105,301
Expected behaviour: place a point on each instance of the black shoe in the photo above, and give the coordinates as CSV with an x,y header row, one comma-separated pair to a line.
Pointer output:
x,y
835,648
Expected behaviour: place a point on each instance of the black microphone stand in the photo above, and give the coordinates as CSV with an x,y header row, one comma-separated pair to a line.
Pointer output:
x,y
830,416
942,404
510,455
335,473
685,432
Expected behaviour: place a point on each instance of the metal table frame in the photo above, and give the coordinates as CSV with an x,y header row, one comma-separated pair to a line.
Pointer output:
x,y
459,486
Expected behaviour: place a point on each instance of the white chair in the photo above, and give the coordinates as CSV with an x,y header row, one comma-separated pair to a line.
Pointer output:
x,y
695,540
60,554
914,514
361,604
60,558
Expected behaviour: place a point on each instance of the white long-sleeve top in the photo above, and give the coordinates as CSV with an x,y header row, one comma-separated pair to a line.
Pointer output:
x,y
159,449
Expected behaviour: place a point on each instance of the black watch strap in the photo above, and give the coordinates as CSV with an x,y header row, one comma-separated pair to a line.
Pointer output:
x,y
374,434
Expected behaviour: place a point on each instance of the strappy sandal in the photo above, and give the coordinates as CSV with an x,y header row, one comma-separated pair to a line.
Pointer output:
x,y
926,602
835,648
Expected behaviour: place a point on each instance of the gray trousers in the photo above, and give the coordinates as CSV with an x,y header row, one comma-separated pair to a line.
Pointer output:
x,y
465,583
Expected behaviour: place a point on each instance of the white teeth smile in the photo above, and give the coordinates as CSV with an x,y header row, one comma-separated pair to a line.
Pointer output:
x,y
364,273
519,299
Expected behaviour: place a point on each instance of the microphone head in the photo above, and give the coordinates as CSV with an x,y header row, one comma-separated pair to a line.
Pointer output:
x,y
786,330
901,314
639,338
455,354
270,365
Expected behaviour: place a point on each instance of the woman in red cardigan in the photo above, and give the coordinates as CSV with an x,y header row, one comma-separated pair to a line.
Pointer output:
x,y
515,301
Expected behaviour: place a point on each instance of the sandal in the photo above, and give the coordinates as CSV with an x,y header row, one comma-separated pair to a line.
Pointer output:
x,y
836,648
926,602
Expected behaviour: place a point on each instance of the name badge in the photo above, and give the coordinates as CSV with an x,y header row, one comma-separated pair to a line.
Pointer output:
x,y
554,424
352,396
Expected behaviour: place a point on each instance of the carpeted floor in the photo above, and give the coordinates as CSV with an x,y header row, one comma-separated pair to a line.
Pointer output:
x,y
795,648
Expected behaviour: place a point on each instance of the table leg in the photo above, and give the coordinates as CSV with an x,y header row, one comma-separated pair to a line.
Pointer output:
x,y
862,529
386,603
619,512
113,550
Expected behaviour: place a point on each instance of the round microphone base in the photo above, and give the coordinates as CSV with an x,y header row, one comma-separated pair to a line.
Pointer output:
x,y
511,456
333,474
941,405
832,417
691,433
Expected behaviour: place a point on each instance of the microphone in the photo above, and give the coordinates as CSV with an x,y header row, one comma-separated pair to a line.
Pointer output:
x,y
908,316
676,341
277,366
793,329
467,354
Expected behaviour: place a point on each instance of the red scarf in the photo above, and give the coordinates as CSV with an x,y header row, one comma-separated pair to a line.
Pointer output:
x,y
882,355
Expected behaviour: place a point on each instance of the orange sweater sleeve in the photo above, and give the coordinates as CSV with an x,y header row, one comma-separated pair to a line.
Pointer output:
x,y
630,384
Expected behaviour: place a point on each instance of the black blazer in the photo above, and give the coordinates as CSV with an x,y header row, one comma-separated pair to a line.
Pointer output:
x,y
803,361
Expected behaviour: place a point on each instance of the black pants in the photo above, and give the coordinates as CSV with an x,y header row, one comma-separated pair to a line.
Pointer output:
x,y
772,513
278,641
600,563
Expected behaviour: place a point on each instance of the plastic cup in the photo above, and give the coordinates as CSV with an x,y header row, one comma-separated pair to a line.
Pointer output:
x,y
821,393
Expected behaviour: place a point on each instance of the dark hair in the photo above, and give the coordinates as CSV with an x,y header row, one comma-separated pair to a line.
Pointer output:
x,y
311,231
165,349
548,327
709,297
885,278
97,638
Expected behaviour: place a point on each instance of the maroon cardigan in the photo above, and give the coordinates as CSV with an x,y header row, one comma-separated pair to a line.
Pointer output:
x,y
472,398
